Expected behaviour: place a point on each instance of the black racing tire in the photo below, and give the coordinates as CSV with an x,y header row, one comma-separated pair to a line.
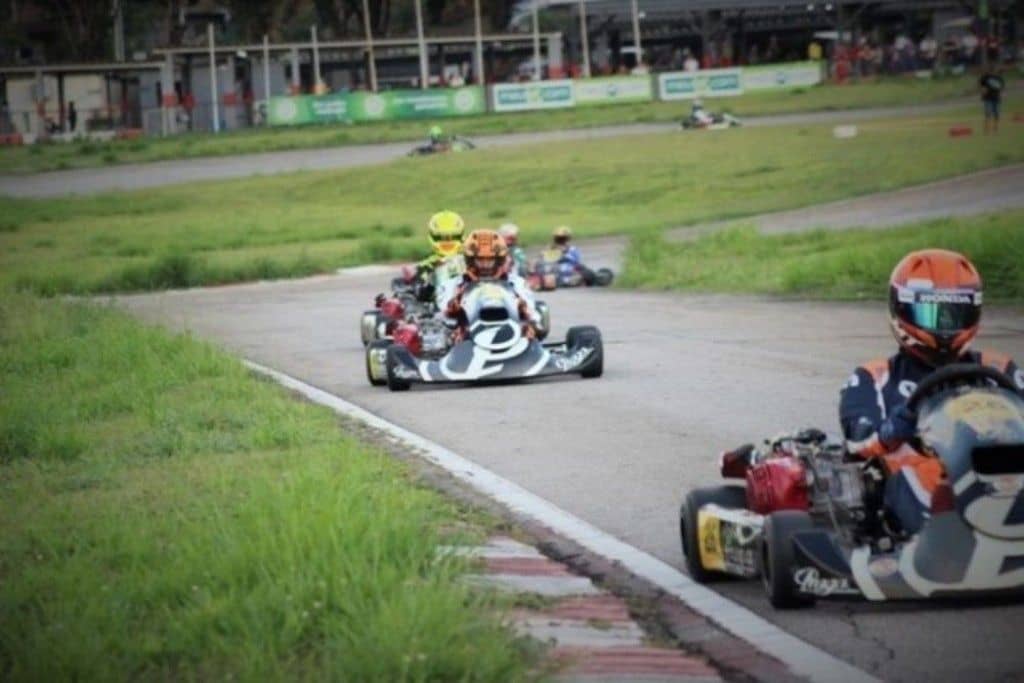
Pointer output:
x,y
777,558
368,331
603,277
395,383
373,346
731,497
590,336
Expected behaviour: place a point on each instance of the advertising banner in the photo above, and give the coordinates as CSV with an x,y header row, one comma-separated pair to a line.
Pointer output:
x,y
384,106
687,85
782,76
533,95
614,89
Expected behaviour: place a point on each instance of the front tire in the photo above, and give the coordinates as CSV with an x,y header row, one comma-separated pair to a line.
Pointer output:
x,y
368,326
603,277
395,383
778,558
731,497
587,335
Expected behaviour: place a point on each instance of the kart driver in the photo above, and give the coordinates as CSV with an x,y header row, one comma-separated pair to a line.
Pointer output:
x,y
561,241
437,141
934,311
445,229
510,233
487,258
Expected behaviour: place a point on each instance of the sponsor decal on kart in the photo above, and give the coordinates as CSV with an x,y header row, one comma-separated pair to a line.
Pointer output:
x,y
405,372
809,580
739,546
710,542
574,359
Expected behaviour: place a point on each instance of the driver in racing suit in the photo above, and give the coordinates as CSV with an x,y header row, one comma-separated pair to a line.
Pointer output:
x,y
446,230
700,115
561,240
934,311
487,258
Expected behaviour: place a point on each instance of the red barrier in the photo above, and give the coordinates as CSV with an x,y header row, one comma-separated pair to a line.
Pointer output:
x,y
960,131
12,139
128,133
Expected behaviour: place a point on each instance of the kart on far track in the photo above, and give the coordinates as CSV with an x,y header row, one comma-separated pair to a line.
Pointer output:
x,y
453,144
550,271
811,524
718,122
492,347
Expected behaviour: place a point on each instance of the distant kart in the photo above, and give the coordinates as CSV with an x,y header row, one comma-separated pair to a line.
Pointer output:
x,y
453,144
811,523
494,348
550,271
718,122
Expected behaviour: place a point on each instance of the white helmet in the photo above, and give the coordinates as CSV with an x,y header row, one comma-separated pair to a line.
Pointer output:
x,y
509,232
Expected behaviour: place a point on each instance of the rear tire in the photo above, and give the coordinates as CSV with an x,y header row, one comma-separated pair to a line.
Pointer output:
x,y
731,497
545,321
587,335
777,558
603,277
374,346
395,383
368,326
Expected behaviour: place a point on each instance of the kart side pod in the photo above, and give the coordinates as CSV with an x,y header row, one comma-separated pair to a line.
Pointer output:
x,y
777,484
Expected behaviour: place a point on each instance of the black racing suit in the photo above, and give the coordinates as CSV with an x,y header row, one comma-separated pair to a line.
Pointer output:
x,y
872,393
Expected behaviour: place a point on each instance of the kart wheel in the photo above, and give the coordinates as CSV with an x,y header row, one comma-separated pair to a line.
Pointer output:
x,y
587,335
545,321
376,362
777,558
603,277
731,497
394,383
368,326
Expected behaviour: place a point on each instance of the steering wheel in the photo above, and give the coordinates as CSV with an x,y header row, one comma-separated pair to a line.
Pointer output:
x,y
957,373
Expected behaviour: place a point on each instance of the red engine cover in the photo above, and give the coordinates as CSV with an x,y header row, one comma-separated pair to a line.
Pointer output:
x,y
408,336
777,484
392,308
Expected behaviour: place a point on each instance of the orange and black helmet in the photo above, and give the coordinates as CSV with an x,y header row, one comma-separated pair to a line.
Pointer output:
x,y
935,304
486,254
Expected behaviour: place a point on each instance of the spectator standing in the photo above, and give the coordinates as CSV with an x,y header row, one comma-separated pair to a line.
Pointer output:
x,y
927,49
690,63
72,117
992,85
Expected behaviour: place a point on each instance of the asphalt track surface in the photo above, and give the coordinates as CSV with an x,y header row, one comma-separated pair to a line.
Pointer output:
x,y
686,376
139,176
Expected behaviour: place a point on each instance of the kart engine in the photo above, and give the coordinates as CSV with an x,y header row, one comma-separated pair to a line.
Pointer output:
x,y
434,338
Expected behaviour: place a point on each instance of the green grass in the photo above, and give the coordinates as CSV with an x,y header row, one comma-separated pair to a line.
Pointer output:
x,y
851,264
167,516
85,154
311,222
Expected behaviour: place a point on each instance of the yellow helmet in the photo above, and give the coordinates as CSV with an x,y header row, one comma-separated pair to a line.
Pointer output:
x,y
446,228
562,234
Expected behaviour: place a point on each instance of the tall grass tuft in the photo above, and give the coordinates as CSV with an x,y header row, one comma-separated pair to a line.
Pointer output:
x,y
168,516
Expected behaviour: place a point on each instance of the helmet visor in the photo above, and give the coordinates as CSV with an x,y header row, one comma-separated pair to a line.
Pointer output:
x,y
940,316
485,267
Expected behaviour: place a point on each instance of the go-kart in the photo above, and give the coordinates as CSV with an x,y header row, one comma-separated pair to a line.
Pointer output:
x,y
717,122
812,524
453,144
405,313
491,346
550,271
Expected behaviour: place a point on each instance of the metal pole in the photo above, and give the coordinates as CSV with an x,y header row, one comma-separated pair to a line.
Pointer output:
x,y
424,76
479,43
266,68
118,30
585,45
636,34
536,43
213,78
369,45
316,61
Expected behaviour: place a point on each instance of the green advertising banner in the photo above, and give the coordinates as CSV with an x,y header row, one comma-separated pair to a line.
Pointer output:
x,y
384,106
614,89
782,76
533,95
688,85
